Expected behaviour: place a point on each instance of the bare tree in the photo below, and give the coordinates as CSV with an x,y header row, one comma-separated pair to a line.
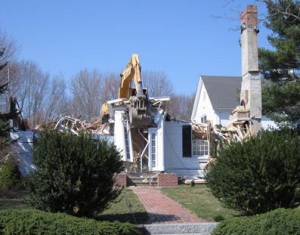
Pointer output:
x,y
8,50
157,83
7,55
56,99
86,89
180,107
110,87
29,83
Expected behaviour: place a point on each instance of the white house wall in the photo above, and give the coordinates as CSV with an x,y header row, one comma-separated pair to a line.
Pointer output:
x,y
222,118
158,149
204,107
119,136
173,154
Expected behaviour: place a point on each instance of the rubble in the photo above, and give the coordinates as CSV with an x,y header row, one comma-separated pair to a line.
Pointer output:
x,y
76,126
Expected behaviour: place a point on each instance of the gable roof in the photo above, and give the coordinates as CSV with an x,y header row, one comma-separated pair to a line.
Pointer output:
x,y
223,91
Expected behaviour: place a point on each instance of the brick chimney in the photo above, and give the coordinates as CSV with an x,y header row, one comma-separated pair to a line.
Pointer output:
x,y
251,83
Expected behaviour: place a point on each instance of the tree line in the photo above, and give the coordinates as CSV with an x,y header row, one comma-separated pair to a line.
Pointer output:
x,y
43,97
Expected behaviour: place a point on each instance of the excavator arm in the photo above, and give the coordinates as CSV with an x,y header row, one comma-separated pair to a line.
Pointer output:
x,y
131,72
139,107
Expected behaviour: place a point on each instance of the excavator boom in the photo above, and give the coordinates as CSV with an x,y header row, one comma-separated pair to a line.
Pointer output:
x,y
139,110
131,72
139,106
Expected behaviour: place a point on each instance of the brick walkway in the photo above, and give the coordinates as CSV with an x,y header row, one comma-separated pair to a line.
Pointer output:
x,y
162,209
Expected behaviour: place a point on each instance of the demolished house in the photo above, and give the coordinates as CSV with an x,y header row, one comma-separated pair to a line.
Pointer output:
x,y
225,109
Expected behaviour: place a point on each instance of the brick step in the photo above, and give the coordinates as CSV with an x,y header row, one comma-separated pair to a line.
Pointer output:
x,y
141,181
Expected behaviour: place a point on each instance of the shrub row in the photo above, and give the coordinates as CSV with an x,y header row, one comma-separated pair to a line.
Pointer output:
x,y
279,221
29,221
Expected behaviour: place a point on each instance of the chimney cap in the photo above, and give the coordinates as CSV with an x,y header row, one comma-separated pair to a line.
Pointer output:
x,y
249,17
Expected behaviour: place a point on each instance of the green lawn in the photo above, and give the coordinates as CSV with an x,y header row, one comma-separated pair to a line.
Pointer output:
x,y
126,208
12,204
200,200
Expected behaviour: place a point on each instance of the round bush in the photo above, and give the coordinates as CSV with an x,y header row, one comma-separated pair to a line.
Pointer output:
x,y
259,174
74,174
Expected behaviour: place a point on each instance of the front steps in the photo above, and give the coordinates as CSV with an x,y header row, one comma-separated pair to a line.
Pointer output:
x,y
142,179
176,229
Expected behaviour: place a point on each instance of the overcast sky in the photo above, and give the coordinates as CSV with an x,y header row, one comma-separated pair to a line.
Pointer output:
x,y
182,38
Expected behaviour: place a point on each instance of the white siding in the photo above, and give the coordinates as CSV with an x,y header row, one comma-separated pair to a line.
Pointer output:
x,y
204,107
119,136
222,118
174,161
155,149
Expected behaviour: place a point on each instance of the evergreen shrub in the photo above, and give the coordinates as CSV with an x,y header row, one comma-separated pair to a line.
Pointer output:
x,y
74,174
10,175
259,174
29,221
280,221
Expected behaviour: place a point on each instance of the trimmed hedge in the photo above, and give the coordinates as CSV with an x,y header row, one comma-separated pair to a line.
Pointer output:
x,y
277,222
259,174
29,221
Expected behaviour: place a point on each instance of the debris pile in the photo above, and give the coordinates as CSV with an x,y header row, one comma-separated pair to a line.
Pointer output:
x,y
76,126
201,130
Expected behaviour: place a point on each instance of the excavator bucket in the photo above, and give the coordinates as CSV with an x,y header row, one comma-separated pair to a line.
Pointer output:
x,y
139,112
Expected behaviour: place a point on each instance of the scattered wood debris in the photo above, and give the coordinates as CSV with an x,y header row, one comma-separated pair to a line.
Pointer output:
x,y
239,128
76,126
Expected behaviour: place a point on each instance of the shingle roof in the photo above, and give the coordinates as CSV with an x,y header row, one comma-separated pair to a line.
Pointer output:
x,y
223,91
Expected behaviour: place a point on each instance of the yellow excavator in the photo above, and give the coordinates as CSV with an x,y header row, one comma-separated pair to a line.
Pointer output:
x,y
139,106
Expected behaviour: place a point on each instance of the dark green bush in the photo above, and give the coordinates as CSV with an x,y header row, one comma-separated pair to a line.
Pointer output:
x,y
39,222
259,174
74,174
277,222
9,174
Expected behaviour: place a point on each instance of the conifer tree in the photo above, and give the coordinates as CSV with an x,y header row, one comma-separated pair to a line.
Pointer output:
x,y
281,65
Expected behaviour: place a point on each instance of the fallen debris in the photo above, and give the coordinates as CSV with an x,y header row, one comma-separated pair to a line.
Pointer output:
x,y
76,126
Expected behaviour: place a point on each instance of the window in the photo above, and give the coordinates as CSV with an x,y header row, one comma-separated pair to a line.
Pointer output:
x,y
187,141
203,119
204,95
127,149
153,149
200,147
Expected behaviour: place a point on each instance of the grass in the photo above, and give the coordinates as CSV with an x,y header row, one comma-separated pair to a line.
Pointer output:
x,y
199,200
12,204
126,208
